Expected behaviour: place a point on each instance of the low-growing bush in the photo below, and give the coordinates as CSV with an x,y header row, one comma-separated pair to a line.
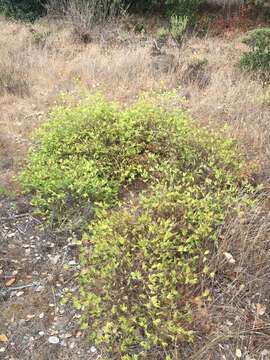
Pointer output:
x,y
149,268
90,151
159,186
148,264
258,58
197,72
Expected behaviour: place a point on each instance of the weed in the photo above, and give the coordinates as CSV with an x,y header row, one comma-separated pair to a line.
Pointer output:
x,y
258,58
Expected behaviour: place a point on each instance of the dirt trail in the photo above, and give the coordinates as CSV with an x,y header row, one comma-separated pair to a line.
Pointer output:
x,y
32,282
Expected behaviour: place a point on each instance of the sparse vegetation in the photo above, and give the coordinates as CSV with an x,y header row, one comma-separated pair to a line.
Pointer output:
x,y
13,76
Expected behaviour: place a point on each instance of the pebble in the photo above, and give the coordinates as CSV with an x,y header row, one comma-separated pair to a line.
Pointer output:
x,y
67,336
53,340
93,349
54,259
72,345
41,333
10,236
39,288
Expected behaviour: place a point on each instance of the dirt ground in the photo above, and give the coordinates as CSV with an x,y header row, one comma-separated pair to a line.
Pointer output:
x,y
32,284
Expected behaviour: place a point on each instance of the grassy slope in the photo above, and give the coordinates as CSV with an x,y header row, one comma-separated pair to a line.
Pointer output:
x,y
46,61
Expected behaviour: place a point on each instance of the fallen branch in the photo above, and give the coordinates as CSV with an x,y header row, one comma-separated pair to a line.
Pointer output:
x,y
14,217
21,287
4,292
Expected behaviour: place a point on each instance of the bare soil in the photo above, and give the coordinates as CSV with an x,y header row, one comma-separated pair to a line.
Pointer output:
x,y
32,284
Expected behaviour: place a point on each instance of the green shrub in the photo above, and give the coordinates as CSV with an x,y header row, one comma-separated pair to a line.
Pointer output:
x,y
148,259
258,58
90,151
178,28
148,264
22,9
187,8
179,7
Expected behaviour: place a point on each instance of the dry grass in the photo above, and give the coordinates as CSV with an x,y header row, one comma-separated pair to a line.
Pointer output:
x,y
238,317
39,62
235,98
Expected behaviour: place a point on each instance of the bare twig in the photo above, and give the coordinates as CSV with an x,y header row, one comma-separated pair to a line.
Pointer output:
x,y
14,217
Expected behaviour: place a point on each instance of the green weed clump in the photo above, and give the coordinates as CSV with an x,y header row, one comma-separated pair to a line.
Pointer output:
x,y
257,60
160,187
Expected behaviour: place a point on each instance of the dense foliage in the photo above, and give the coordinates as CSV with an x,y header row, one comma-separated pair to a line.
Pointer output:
x,y
258,58
31,9
160,187
22,9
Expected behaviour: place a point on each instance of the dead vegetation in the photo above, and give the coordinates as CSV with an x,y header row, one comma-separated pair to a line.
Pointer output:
x,y
39,62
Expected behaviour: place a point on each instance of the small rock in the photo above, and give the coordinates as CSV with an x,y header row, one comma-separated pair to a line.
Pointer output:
x,y
41,333
238,353
3,338
53,340
93,349
41,316
39,288
54,259
2,349
10,236
50,277
72,345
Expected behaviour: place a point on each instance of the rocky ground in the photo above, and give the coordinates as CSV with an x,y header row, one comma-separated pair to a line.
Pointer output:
x,y
34,325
